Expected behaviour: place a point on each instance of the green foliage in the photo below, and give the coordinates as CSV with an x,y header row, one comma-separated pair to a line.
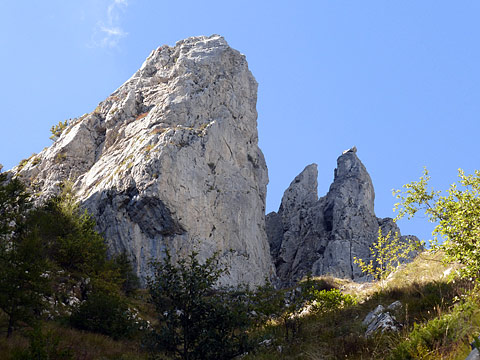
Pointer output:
x,y
14,203
437,334
197,320
43,347
457,215
386,255
21,282
317,297
57,130
267,303
123,266
325,301
69,236
106,314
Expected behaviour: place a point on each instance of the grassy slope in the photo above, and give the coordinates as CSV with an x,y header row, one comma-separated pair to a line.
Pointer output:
x,y
421,286
425,293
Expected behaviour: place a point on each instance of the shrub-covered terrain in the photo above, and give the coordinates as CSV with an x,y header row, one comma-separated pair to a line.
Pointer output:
x,y
61,297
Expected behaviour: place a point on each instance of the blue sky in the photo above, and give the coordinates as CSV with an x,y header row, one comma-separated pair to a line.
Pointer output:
x,y
398,79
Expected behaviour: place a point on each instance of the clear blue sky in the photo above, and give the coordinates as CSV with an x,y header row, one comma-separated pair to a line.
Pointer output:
x,y
398,79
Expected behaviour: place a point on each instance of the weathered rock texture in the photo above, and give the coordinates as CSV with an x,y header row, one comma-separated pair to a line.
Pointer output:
x,y
322,236
170,160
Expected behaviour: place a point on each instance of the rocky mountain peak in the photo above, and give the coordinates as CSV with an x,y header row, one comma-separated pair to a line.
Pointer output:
x,y
302,191
171,160
322,236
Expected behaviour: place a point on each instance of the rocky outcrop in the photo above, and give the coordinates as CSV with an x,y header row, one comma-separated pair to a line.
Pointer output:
x,y
322,236
381,319
171,160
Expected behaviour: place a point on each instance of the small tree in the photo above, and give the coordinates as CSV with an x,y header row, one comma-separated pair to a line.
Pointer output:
x,y
387,254
57,130
130,281
22,265
456,214
197,320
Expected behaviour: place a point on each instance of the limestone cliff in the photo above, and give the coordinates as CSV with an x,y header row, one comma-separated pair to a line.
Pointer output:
x,y
170,160
321,236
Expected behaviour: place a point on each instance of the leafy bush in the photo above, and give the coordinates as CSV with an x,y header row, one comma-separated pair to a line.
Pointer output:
x,y
457,215
387,254
57,130
22,285
105,314
129,279
325,301
43,347
70,241
197,320
310,297
437,334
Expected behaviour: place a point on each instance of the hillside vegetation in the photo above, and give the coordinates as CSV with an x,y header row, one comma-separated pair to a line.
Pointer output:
x,y
61,297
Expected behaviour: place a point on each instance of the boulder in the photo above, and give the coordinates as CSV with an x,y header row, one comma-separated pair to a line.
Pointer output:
x,y
382,320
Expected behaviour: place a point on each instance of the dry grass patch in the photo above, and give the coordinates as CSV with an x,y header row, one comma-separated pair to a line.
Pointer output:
x,y
141,116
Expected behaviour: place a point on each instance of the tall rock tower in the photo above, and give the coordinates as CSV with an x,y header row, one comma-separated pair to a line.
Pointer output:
x,y
171,160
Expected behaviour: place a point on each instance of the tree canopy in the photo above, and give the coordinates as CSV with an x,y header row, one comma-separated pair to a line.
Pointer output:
x,y
456,214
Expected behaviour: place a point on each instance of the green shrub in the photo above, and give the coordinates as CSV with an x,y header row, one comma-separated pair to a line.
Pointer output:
x,y
57,130
325,301
456,215
439,333
387,254
197,320
22,285
129,279
105,314
43,347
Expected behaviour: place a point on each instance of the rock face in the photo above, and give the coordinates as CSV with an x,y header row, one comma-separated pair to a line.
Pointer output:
x,y
170,160
381,319
322,236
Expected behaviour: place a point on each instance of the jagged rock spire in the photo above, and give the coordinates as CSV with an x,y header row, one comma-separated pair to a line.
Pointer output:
x,y
322,236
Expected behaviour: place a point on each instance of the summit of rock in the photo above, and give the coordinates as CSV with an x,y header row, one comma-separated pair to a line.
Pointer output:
x,y
171,160
322,236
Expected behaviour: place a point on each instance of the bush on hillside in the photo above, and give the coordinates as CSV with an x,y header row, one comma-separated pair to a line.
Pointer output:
x,y
197,319
457,215
22,284
106,314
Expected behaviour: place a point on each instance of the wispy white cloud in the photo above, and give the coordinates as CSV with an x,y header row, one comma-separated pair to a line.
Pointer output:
x,y
108,32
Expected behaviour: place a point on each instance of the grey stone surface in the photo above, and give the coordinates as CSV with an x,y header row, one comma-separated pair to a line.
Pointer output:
x,y
373,314
474,355
322,236
382,322
171,160
395,306
379,319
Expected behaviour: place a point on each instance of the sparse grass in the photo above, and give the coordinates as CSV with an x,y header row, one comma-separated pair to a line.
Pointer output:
x,y
84,345
60,157
157,131
141,116
24,162
148,148
429,301
36,160
440,318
